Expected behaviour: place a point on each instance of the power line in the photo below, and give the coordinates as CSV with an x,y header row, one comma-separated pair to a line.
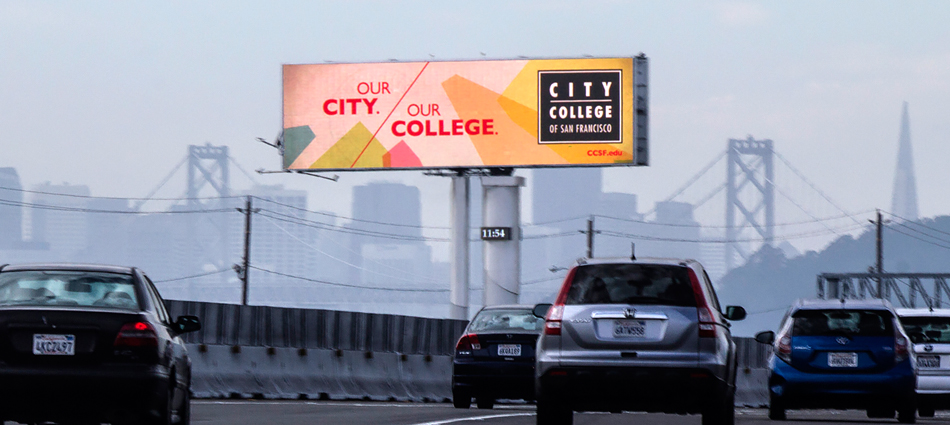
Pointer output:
x,y
413,226
785,237
98,211
346,285
68,195
698,225
348,263
331,227
919,239
921,233
915,223
190,277
553,235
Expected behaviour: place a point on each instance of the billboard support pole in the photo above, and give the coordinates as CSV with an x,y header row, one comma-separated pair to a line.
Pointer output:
x,y
501,207
460,225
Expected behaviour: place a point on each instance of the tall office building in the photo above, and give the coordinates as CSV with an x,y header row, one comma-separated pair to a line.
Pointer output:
x,y
904,197
11,213
59,219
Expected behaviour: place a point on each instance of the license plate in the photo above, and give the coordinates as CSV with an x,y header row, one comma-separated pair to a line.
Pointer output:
x,y
843,359
931,362
54,345
630,328
509,350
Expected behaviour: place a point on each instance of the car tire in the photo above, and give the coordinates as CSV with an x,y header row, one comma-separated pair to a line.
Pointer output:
x,y
723,410
926,411
461,399
184,411
484,402
907,414
879,413
776,409
553,413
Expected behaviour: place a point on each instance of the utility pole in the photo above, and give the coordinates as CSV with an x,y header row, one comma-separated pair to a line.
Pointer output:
x,y
590,236
243,270
880,243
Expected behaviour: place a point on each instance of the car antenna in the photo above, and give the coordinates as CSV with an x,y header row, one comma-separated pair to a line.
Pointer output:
x,y
633,251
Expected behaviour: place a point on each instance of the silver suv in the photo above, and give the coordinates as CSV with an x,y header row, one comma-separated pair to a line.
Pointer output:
x,y
637,335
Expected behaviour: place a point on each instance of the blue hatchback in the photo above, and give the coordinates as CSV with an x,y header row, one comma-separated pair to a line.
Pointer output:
x,y
841,354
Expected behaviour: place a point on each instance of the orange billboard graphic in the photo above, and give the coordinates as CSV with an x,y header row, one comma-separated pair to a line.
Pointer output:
x,y
477,114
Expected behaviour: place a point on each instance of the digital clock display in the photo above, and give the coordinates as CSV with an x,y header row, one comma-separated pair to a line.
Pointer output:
x,y
496,233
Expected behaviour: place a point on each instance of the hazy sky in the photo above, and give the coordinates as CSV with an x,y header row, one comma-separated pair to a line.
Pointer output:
x,y
110,94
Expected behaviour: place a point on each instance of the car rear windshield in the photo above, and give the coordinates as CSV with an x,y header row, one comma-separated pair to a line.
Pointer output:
x,y
68,288
842,322
631,284
924,330
505,320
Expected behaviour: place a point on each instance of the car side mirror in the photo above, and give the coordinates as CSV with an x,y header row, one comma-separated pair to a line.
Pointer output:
x,y
541,310
186,324
735,313
767,337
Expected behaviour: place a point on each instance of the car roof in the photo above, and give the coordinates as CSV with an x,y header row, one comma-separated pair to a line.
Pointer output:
x,y
644,260
509,307
923,312
68,267
844,304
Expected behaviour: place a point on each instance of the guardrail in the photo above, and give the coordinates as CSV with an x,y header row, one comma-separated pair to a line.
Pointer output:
x,y
291,353
263,326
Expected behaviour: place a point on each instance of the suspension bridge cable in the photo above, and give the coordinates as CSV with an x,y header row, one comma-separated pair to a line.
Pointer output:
x,y
782,192
346,285
808,182
405,273
696,177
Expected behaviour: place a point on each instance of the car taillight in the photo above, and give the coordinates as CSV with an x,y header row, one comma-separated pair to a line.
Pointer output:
x,y
552,323
783,347
136,335
707,323
900,345
468,343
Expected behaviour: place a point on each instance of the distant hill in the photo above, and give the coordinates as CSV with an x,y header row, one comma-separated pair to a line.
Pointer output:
x,y
770,282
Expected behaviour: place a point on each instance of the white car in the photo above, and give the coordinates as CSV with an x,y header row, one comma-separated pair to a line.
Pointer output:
x,y
929,330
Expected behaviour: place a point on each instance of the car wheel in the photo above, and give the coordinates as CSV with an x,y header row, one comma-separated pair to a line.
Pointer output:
x,y
484,402
926,411
184,411
907,414
461,399
722,411
165,407
776,409
553,413
880,413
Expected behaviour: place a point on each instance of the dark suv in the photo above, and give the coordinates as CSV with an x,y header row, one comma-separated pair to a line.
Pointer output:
x,y
637,335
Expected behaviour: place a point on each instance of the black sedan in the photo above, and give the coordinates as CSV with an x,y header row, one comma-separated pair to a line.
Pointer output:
x,y
83,344
494,358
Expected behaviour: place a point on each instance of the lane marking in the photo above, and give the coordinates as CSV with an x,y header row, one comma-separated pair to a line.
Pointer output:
x,y
475,418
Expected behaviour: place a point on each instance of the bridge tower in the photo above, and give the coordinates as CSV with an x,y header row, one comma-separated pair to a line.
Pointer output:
x,y
750,191
904,197
207,241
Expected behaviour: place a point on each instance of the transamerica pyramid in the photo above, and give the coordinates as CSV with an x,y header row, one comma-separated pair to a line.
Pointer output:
x,y
904,197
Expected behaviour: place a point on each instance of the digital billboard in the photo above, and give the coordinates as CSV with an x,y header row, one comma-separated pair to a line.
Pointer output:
x,y
470,114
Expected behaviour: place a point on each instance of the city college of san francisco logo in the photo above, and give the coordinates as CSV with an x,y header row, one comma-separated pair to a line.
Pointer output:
x,y
579,106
